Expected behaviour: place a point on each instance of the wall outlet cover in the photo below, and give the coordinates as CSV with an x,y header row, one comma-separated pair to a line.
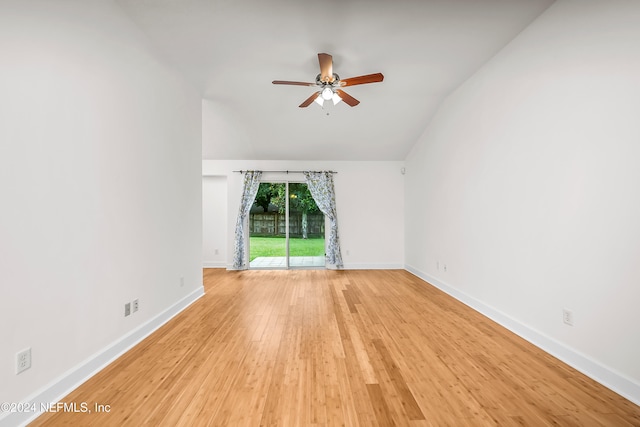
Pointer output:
x,y
23,360
567,316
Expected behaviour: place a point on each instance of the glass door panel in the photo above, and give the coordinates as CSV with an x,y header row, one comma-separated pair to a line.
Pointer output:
x,y
306,229
267,227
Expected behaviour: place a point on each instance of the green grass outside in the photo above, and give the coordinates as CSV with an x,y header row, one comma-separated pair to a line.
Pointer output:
x,y
275,246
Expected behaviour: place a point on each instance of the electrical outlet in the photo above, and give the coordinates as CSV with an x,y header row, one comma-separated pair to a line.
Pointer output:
x,y
445,267
135,305
181,281
23,360
127,309
567,316
216,252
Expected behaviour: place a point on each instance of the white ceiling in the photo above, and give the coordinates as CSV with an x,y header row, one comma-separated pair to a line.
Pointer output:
x,y
232,50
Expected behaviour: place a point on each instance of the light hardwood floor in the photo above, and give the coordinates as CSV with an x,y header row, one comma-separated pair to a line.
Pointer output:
x,y
316,348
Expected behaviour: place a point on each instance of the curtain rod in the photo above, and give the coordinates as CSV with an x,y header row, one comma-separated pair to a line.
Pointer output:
x,y
243,171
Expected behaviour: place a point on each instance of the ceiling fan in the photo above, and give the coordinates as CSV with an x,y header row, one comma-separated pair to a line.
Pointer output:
x,y
330,83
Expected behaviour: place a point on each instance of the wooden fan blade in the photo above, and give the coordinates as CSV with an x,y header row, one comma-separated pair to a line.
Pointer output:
x,y
326,67
348,99
284,82
360,80
309,100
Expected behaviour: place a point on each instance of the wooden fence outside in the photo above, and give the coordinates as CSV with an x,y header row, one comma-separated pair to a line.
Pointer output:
x,y
273,224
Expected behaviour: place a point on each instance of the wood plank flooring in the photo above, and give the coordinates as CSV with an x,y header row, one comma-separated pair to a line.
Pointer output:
x,y
331,348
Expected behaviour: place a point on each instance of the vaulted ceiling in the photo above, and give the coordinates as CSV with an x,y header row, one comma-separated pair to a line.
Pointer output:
x,y
231,50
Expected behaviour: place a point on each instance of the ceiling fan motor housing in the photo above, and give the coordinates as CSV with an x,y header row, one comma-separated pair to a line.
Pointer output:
x,y
334,82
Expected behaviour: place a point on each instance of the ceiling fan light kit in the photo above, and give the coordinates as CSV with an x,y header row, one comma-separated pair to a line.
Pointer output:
x,y
329,83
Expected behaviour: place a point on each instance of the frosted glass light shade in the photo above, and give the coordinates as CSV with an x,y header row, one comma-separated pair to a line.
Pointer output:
x,y
327,93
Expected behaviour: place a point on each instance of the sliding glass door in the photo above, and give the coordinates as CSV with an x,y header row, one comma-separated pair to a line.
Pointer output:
x,y
286,228
306,229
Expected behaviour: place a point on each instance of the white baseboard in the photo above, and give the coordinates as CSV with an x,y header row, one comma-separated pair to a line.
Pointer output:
x,y
624,386
350,266
214,264
73,378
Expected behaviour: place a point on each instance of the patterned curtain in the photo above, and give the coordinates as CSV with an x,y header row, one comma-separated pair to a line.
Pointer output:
x,y
249,191
321,188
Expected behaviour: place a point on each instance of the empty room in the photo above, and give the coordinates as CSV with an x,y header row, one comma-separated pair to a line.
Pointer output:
x,y
296,213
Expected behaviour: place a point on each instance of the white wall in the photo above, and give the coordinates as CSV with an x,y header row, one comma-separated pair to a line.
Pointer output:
x,y
100,175
526,186
214,221
369,199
